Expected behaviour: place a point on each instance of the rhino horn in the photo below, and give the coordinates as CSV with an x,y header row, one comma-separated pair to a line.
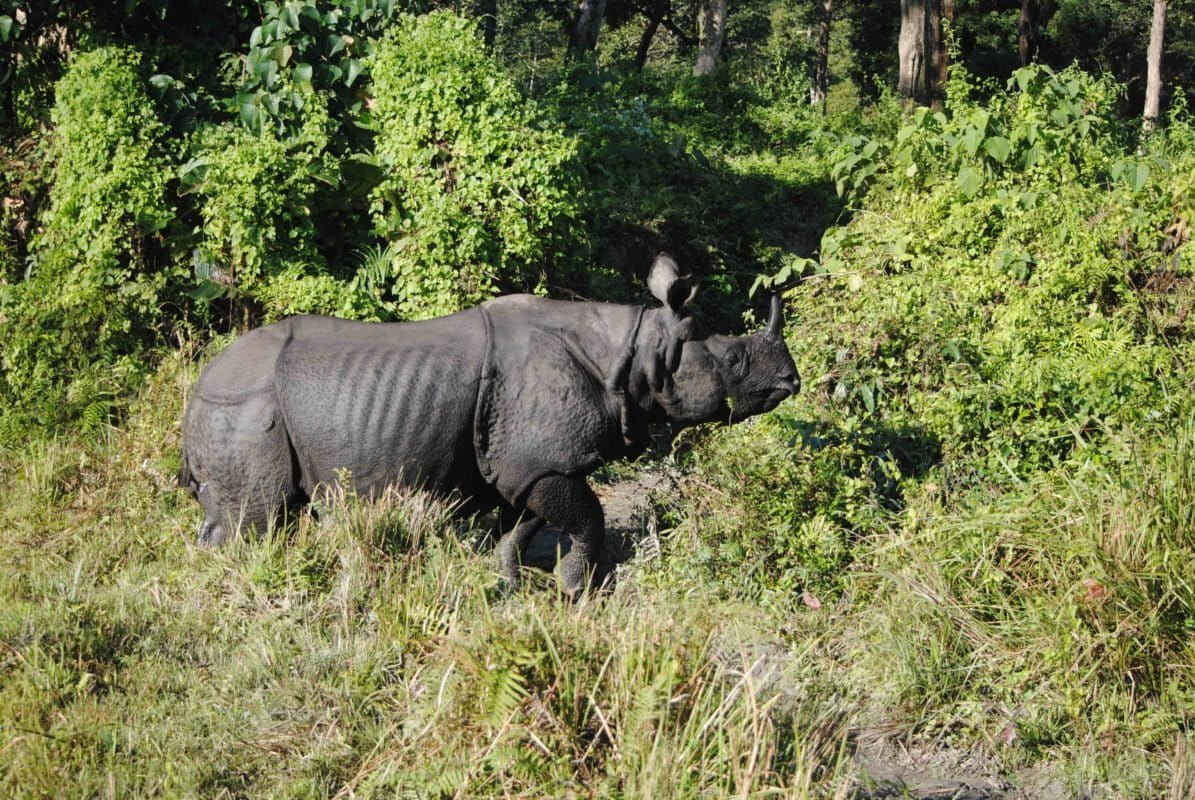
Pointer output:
x,y
775,325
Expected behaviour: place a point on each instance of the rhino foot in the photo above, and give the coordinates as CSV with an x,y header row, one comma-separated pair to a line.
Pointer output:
x,y
212,533
511,549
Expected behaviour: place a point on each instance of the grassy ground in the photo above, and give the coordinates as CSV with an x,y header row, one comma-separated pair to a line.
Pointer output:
x,y
365,654
368,653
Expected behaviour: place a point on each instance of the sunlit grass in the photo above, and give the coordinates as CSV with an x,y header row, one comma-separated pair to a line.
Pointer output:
x,y
364,653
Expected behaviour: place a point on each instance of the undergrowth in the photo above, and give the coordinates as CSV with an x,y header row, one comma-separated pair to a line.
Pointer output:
x,y
366,653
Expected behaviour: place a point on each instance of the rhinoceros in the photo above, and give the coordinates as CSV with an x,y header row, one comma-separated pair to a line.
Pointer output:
x,y
509,405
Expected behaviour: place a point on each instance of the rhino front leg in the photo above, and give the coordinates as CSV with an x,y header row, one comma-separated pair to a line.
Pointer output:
x,y
569,504
511,547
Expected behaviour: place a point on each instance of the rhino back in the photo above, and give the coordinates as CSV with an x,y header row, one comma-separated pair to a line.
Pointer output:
x,y
245,368
391,403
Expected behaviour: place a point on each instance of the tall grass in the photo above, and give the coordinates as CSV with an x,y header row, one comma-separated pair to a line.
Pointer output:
x,y
366,653
1052,622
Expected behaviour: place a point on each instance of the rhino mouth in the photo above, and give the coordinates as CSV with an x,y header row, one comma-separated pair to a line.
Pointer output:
x,y
760,403
776,397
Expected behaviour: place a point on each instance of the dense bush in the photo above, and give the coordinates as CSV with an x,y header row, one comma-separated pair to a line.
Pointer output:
x,y
258,235
479,192
73,332
1006,294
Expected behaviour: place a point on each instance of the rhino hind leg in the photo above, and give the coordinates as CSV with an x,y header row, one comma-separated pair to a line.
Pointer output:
x,y
213,531
569,504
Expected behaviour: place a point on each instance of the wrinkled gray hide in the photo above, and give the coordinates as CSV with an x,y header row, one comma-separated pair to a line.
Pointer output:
x,y
508,405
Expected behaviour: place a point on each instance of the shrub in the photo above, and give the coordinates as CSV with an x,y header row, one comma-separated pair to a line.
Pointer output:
x,y
258,242
479,193
74,331
973,334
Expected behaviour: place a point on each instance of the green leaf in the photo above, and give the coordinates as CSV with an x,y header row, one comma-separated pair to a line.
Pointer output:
x,y
972,139
312,15
251,116
267,71
6,25
869,400
998,148
1136,175
191,174
1032,155
302,73
320,171
352,68
207,291
970,181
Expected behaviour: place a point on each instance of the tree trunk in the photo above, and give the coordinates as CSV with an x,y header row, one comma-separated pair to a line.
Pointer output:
x,y
649,33
488,11
1153,66
920,49
942,59
711,33
1025,33
1035,15
821,55
583,33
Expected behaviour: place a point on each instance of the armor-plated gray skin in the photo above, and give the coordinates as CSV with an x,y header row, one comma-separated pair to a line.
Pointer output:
x,y
508,405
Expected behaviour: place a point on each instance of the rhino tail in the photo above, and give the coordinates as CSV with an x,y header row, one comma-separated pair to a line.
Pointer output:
x,y
186,480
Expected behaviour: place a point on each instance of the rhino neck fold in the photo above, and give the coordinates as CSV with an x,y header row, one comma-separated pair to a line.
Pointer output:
x,y
618,385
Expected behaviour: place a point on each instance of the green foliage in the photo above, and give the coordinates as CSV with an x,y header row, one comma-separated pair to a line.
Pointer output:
x,y
479,193
74,330
258,235
1005,296
320,47
989,462
364,652
1043,229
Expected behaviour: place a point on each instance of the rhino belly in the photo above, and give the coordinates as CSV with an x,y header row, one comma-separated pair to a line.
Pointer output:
x,y
386,415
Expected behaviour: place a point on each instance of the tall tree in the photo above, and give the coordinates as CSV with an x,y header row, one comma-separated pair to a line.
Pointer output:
x,y
819,85
583,32
488,11
1153,65
659,15
922,50
1035,15
711,34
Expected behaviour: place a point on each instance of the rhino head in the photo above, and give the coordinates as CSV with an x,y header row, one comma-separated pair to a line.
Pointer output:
x,y
701,376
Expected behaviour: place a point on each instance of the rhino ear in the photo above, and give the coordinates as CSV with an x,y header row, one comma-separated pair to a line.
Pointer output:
x,y
670,287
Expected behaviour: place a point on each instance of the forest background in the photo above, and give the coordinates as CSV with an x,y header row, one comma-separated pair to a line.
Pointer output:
x,y
972,533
